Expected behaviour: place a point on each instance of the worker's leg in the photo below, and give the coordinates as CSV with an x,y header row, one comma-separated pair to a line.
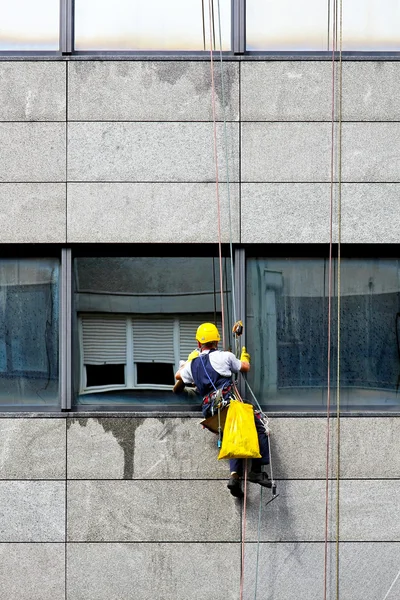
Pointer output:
x,y
236,466
256,463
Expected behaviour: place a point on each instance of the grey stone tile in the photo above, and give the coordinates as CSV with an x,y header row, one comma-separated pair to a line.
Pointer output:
x,y
168,571
371,152
368,511
286,91
286,152
32,91
32,152
32,212
150,152
178,448
32,511
296,571
285,213
363,455
134,89
119,511
298,448
32,448
370,213
300,213
371,90
142,213
297,514
32,571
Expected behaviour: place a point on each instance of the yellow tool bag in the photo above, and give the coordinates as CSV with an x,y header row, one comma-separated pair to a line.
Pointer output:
x,y
240,438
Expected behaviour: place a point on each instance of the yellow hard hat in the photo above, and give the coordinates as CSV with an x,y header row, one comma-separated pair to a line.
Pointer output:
x,y
207,332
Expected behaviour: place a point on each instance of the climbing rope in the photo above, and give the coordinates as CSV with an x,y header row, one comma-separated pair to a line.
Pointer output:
x,y
211,30
330,285
339,218
329,310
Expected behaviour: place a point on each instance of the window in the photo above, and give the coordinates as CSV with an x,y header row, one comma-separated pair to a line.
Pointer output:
x,y
287,326
136,319
153,25
367,25
29,25
29,332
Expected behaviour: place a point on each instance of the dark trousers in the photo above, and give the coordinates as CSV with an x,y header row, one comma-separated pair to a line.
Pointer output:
x,y
236,464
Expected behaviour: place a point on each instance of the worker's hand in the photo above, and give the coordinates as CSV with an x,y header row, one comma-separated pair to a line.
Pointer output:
x,y
193,355
245,356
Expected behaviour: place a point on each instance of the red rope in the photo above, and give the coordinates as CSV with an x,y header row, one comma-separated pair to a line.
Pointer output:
x,y
243,529
211,11
328,399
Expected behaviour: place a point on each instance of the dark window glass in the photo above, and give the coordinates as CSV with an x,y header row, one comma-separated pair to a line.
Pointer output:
x,y
136,319
28,332
100,375
287,329
158,373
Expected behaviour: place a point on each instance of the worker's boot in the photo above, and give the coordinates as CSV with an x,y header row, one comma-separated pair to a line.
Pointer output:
x,y
235,487
261,478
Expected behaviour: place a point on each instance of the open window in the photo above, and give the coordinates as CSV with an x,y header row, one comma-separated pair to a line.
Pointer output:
x,y
136,319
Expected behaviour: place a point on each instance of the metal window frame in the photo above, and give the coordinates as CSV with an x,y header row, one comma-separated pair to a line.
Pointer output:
x,y
238,31
65,347
67,26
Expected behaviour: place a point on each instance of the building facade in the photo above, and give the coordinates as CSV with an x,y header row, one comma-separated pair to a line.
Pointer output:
x,y
110,488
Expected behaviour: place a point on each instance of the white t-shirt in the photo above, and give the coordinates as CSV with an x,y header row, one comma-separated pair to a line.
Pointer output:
x,y
225,363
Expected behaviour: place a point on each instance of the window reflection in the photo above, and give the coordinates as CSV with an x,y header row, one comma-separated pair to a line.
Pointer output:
x,y
152,25
28,332
287,25
29,25
136,319
287,317
367,25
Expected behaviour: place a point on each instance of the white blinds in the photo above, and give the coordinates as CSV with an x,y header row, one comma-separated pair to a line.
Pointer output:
x,y
104,340
153,340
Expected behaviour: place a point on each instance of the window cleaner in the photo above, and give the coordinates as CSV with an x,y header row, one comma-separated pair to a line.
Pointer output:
x,y
211,371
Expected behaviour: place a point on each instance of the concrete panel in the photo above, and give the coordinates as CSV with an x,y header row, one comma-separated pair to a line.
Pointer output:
x,y
286,152
296,571
144,213
168,571
371,152
32,91
106,448
300,213
285,213
370,448
367,511
371,91
32,152
134,89
32,511
32,571
151,511
286,91
150,152
370,213
32,212
32,448
298,448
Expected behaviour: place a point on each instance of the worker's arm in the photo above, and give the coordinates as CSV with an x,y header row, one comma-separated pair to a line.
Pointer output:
x,y
245,361
179,385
